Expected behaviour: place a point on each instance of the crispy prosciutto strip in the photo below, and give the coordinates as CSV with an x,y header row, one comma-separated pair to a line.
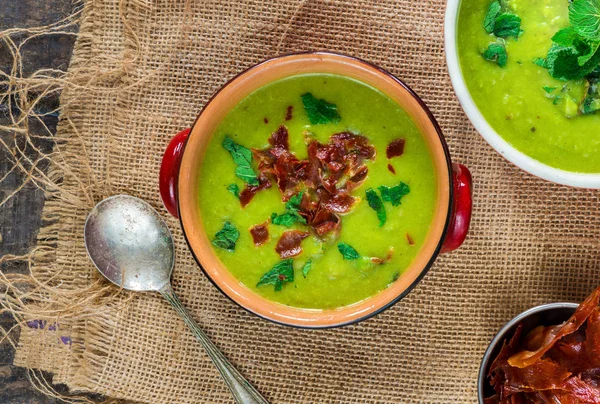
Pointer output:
x,y
552,364
289,243
248,193
551,335
327,177
395,148
260,233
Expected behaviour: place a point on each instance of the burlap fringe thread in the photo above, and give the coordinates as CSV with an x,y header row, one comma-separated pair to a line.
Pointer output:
x,y
37,295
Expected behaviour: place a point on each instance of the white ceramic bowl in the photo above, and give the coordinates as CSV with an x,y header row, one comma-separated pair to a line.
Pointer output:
x,y
505,149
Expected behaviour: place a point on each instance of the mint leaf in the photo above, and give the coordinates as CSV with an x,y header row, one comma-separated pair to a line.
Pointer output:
x,y
549,89
541,62
242,157
287,219
320,111
565,37
586,57
234,189
491,16
226,237
282,272
394,194
294,202
563,62
496,52
348,252
291,214
376,203
306,268
584,16
507,25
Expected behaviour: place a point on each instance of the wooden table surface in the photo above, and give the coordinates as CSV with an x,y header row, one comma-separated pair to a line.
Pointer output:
x,y
20,216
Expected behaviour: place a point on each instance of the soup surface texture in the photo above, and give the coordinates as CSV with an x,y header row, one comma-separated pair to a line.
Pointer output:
x,y
326,273
530,109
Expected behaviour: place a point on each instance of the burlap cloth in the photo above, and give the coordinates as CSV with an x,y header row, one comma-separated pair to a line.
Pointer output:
x,y
141,71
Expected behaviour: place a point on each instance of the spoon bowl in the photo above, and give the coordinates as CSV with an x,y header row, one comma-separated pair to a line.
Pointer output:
x,y
130,244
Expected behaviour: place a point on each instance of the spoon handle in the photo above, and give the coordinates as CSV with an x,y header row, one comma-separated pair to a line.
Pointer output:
x,y
243,392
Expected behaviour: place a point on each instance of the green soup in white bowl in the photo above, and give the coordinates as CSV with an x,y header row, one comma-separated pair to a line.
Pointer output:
x,y
527,75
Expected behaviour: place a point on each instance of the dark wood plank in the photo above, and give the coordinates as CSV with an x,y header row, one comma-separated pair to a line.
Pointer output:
x,y
20,218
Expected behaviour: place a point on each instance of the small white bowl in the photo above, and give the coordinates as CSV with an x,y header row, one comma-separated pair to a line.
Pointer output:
x,y
505,149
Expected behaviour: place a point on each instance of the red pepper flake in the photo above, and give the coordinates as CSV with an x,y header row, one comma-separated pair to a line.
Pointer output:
x,y
395,148
392,169
289,243
410,239
260,233
289,113
282,277
266,120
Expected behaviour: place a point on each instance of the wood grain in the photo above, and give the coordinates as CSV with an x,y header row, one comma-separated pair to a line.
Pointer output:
x,y
20,217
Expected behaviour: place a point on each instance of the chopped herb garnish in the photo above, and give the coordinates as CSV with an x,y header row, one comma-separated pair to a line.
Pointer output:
x,y
348,252
282,272
491,16
541,62
287,219
226,237
496,52
234,189
242,157
394,194
294,202
556,100
376,203
508,25
501,24
320,111
306,268
291,214
549,89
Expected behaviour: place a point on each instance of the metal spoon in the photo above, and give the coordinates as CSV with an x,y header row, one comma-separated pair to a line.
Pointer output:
x,y
132,247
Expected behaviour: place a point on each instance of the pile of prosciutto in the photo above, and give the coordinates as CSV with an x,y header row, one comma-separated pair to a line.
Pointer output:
x,y
557,364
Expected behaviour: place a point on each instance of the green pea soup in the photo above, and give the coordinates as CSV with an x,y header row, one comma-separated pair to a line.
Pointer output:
x,y
332,280
534,112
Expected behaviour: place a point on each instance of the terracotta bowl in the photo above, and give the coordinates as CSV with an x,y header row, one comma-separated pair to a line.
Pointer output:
x,y
179,180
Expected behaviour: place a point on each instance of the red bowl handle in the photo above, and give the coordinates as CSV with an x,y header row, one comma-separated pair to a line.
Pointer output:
x,y
462,205
169,171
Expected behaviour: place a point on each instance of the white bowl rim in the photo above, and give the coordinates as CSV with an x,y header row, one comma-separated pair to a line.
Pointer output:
x,y
506,150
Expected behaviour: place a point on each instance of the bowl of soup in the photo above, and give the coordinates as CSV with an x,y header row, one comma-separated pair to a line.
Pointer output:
x,y
527,75
315,190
